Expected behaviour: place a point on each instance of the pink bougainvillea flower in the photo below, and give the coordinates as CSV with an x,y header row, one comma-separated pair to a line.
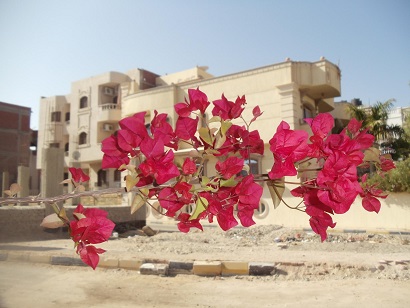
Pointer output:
x,y
370,194
197,101
89,254
319,221
161,129
228,110
185,224
386,164
189,166
288,146
162,168
321,125
90,226
230,167
249,194
256,112
186,127
78,175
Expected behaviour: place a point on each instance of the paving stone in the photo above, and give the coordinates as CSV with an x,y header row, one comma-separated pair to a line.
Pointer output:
x,y
231,268
261,269
154,269
207,268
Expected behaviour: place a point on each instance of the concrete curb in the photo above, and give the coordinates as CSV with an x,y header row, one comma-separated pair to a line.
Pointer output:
x,y
173,268
154,267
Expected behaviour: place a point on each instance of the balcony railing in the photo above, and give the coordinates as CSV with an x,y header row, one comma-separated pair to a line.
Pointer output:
x,y
110,106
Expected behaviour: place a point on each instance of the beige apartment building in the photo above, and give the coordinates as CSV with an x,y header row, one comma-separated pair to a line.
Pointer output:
x,y
72,126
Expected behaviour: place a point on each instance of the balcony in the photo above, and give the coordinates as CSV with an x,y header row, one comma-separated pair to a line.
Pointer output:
x,y
109,113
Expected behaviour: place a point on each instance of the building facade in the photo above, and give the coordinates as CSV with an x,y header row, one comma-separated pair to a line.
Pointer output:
x,y
77,123
15,136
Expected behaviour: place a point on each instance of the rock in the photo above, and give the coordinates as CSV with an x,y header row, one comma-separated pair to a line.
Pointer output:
x,y
149,231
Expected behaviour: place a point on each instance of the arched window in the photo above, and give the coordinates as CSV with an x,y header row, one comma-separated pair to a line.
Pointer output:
x,y
82,139
84,102
262,211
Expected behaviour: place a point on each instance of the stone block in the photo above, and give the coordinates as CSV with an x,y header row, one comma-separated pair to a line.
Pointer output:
x,y
207,268
3,256
154,269
261,269
130,264
230,268
67,261
108,263
179,267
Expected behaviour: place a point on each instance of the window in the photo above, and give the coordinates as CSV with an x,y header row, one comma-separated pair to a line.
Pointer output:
x,y
67,117
84,102
102,177
115,100
56,116
253,167
117,176
66,147
82,139
55,145
308,112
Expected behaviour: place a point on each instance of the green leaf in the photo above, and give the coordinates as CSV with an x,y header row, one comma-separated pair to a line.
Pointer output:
x,y
130,182
215,119
220,140
225,125
137,203
276,189
205,134
204,181
63,215
228,183
200,206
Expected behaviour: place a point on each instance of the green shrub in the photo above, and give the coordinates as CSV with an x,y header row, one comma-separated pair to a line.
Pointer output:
x,y
397,180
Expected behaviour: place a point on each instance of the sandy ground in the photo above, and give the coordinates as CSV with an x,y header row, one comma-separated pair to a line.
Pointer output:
x,y
348,270
35,285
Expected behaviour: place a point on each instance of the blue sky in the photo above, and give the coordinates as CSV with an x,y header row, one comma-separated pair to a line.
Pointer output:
x,y
47,44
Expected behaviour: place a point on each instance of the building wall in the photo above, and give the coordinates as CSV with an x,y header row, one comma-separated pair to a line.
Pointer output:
x,y
284,91
15,139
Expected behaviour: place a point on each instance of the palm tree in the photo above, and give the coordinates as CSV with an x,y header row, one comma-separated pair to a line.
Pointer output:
x,y
375,119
